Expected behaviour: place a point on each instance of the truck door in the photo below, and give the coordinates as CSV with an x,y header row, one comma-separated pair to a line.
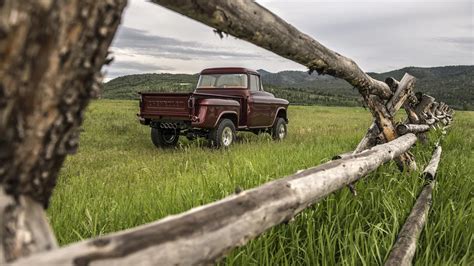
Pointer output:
x,y
259,106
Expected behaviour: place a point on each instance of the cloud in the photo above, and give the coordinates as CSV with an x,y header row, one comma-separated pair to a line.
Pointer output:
x,y
139,66
460,40
380,35
145,43
126,67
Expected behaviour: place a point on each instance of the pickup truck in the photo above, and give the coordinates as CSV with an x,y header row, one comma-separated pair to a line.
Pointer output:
x,y
225,100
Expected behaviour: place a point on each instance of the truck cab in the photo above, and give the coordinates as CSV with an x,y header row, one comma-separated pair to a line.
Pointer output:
x,y
225,100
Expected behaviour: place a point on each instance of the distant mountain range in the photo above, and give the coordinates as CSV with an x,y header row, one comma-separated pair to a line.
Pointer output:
x,y
451,84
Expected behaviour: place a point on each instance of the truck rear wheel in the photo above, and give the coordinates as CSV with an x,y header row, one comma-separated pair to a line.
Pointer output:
x,y
164,138
223,135
279,130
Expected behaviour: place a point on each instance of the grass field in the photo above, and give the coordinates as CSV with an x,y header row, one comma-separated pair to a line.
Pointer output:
x,y
118,180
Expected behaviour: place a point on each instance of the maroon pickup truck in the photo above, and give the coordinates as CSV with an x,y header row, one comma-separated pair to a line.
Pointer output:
x,y
225,100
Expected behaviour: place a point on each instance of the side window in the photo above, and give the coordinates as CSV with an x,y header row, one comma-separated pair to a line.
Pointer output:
x,y
254,83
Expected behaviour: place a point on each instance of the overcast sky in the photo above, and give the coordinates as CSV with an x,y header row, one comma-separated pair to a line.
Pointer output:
x,y
380,35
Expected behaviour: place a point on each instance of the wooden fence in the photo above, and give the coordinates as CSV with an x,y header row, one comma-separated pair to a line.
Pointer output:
x,y
204,234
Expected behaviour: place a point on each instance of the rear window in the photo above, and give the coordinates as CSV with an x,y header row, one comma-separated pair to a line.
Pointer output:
x,y
222,81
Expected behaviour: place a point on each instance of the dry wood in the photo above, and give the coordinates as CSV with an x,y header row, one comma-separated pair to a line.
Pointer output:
x,y
424,104
404,248
402,90
25,228
392,83
5,202
203,234
51,53
403,129
431,168
249,21
384,122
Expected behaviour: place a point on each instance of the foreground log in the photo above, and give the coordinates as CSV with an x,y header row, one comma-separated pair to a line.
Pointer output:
x,y
404,248
203,234
51,54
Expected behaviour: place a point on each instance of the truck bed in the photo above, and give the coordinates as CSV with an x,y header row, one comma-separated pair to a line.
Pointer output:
x,y
160,105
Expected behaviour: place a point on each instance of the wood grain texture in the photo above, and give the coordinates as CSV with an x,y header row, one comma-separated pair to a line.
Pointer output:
x,y
403,250
51,54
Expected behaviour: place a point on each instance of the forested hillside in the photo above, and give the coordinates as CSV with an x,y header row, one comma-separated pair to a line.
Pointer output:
x,y
453,84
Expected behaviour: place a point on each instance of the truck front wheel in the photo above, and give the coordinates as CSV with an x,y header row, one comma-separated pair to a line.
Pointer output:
x,y
279,130
164,138
223,135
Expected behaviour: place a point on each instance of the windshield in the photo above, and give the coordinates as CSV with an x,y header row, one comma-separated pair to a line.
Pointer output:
x,y
222,81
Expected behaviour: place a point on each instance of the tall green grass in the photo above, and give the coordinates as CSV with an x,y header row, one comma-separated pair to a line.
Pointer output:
x,y
118,180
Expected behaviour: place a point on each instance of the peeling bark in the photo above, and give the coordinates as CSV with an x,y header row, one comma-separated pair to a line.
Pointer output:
x,y
51,53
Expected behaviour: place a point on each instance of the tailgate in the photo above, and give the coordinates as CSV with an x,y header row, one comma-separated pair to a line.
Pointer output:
x,y
163,105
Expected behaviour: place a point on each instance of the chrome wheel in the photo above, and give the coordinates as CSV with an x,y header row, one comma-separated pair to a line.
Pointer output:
x,y
227,136
282,131
279,129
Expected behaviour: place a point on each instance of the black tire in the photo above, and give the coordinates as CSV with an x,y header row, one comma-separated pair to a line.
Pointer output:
x,y
279,130
223,135
164,138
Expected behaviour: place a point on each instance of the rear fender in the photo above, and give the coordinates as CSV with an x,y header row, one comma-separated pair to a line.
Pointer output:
x,y
212,110
233,116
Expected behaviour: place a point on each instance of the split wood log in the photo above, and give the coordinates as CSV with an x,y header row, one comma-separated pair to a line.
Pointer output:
x,y
417,114
424,104
392,83
402,90
384,122
51,54
404,248
403,129
249,21
432,167
204,234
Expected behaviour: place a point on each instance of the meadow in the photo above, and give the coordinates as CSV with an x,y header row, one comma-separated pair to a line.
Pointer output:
x,y
118,180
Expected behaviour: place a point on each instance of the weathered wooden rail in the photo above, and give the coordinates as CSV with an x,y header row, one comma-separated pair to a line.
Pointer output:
x,y
73,37
404,248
